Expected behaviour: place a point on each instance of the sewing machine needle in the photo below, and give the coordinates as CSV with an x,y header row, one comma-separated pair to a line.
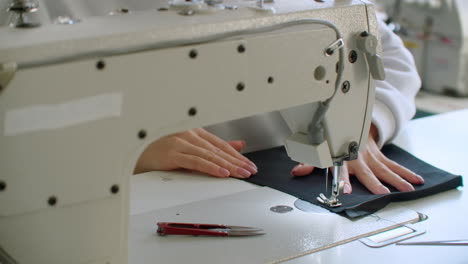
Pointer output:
x,y
326,180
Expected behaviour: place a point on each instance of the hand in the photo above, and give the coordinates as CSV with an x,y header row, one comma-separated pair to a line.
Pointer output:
x,y
198,150
371,168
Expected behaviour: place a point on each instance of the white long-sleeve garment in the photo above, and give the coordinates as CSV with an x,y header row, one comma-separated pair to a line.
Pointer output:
x,y
394,97
394,103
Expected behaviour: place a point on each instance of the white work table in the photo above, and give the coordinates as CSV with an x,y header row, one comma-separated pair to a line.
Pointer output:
x,y
440,140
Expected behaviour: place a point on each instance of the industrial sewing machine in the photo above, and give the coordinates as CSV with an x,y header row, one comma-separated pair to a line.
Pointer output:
x,y
436,33
87,86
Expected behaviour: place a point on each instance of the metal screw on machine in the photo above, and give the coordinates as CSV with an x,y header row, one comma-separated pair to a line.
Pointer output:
x,y
353,150
353,56
345,87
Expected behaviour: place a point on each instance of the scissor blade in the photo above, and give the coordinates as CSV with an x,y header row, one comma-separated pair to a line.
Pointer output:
x,y
244,233
244,228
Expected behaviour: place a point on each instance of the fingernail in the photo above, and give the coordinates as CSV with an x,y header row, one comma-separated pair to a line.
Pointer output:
x,y
250,168
347,189
420,178
294,171
253,164
383,190
408,188
224,172
243,172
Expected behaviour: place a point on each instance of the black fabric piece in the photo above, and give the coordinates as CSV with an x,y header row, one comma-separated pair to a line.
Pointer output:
x,y
274,171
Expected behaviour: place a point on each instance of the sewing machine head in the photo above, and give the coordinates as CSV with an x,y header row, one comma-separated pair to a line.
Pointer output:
x,y
81,101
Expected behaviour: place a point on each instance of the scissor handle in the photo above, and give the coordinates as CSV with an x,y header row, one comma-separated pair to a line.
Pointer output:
x,y
169,228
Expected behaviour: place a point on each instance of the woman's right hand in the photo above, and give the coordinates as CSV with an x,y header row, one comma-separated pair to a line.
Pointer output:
x,y
372,168
198,150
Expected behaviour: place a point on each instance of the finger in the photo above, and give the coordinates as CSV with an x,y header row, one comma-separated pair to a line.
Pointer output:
x,y
347,189
302,170
402,171
360,169
237,144
221,144
191,162
235,170
193,138
385,174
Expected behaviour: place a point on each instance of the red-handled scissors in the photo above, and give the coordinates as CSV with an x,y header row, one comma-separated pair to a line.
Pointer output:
x,y
168,228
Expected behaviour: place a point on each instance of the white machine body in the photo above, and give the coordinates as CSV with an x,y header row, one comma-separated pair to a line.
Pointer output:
x,y
436,32
79,102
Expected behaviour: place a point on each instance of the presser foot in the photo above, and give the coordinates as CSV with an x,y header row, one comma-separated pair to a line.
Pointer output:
x,y
330,202
337,187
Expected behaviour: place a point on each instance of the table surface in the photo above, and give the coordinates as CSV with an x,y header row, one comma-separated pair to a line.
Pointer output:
x,y
440,140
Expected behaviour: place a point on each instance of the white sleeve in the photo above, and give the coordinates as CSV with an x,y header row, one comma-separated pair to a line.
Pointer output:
x,y
394,97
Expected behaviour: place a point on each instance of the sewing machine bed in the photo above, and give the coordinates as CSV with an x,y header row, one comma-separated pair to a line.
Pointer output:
x,y
288,235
